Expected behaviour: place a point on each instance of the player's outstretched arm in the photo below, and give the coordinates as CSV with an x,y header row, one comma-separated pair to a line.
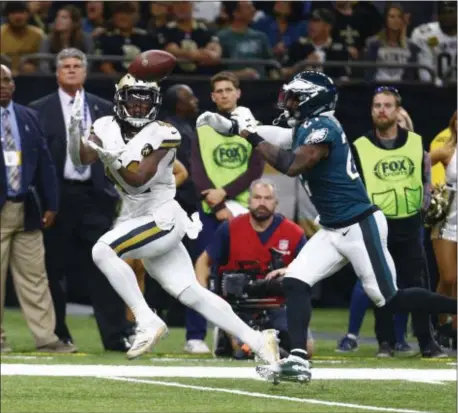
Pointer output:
x,y
147,169
80,151
288,162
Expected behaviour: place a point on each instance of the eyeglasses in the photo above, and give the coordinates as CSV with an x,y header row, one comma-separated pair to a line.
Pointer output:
x,y
389,89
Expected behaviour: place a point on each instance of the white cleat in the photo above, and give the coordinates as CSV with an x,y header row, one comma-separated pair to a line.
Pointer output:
x,y
270,350
196,347
145,339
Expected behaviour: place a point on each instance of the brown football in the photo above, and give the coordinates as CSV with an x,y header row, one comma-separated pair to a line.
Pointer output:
x,y
152,65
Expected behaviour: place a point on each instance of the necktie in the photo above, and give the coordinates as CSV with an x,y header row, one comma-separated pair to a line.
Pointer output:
x,y
79,168
14,176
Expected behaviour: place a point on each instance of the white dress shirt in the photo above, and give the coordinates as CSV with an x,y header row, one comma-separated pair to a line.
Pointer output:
x,y
70,170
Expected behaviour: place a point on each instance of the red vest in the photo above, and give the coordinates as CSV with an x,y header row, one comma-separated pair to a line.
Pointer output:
x,y
245,245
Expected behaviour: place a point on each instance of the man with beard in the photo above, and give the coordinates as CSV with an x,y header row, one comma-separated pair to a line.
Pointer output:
x,y
396,172
249,240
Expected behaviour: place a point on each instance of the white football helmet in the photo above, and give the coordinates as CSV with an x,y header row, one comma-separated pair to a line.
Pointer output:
x,y
137,102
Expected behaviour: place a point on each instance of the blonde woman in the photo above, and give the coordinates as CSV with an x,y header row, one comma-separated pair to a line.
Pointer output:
x,y
444,237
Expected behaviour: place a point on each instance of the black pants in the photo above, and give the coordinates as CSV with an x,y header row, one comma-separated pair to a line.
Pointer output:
x,y
412,271
84,216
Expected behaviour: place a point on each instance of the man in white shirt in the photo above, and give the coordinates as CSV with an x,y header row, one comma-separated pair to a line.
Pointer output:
x,y
87,207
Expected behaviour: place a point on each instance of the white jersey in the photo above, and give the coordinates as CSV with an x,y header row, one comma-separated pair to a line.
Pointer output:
x,y
438,51
144,200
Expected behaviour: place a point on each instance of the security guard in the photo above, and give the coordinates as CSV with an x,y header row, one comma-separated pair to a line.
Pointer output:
x,y
396,171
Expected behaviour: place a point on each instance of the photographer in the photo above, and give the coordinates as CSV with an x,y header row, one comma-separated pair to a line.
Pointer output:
x,y
247,254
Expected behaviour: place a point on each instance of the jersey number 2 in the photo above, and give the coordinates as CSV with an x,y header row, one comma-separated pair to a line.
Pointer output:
x,y
351,168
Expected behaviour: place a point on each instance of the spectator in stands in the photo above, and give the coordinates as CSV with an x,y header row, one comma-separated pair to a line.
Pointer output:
x,y
317,48
95,23
239,41
354,24
284,27
250,238
444,236
40,14
159,12
188,39
17,38
391,45
87,206
437,42
28,202
66,32
222,171
124,40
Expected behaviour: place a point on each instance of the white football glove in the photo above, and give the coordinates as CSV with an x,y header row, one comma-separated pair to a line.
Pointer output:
x,y
109,158
217,122
76,116
244,119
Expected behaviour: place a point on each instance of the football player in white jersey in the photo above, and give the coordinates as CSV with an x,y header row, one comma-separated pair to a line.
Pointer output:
x,y
437,41
138,153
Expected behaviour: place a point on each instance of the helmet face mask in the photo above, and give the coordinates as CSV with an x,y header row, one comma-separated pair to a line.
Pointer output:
x,y
137,102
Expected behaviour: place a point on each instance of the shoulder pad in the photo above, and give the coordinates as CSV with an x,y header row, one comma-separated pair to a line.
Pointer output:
x,y
171,136
100,126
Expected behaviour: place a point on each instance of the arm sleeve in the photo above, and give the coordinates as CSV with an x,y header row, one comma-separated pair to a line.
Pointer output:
x,y
282,137
218,249
243,182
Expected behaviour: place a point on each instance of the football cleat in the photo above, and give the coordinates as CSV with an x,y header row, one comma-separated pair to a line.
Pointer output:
x,y
145,339
292,368
270,350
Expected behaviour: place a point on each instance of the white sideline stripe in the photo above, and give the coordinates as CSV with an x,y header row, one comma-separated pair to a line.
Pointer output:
x,y
91,370
265,396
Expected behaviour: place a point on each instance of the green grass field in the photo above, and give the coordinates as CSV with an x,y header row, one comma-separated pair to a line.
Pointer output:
x,y
170,381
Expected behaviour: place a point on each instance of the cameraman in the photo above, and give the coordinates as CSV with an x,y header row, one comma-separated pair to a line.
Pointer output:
x,y
259,237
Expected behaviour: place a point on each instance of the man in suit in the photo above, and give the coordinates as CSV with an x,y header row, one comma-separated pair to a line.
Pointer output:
x,y
28,202
87,206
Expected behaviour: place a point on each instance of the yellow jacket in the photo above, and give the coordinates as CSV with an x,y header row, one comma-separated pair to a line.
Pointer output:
x,y
438,170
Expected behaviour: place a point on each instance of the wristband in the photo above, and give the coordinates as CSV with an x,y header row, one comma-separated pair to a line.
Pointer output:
x,y
254,139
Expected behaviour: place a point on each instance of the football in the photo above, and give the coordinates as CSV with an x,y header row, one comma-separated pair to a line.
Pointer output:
x,y
152,65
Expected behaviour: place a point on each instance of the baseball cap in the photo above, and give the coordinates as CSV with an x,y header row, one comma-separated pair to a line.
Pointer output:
x,y
322,14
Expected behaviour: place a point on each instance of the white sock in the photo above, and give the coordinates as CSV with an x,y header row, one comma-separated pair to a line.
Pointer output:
x,y
220,313
123,280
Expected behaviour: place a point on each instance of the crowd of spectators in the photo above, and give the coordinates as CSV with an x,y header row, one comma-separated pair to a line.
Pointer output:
x,y
204,35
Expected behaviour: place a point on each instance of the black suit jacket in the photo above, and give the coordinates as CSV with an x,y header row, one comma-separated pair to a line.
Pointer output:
x,y
39,181
53,124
